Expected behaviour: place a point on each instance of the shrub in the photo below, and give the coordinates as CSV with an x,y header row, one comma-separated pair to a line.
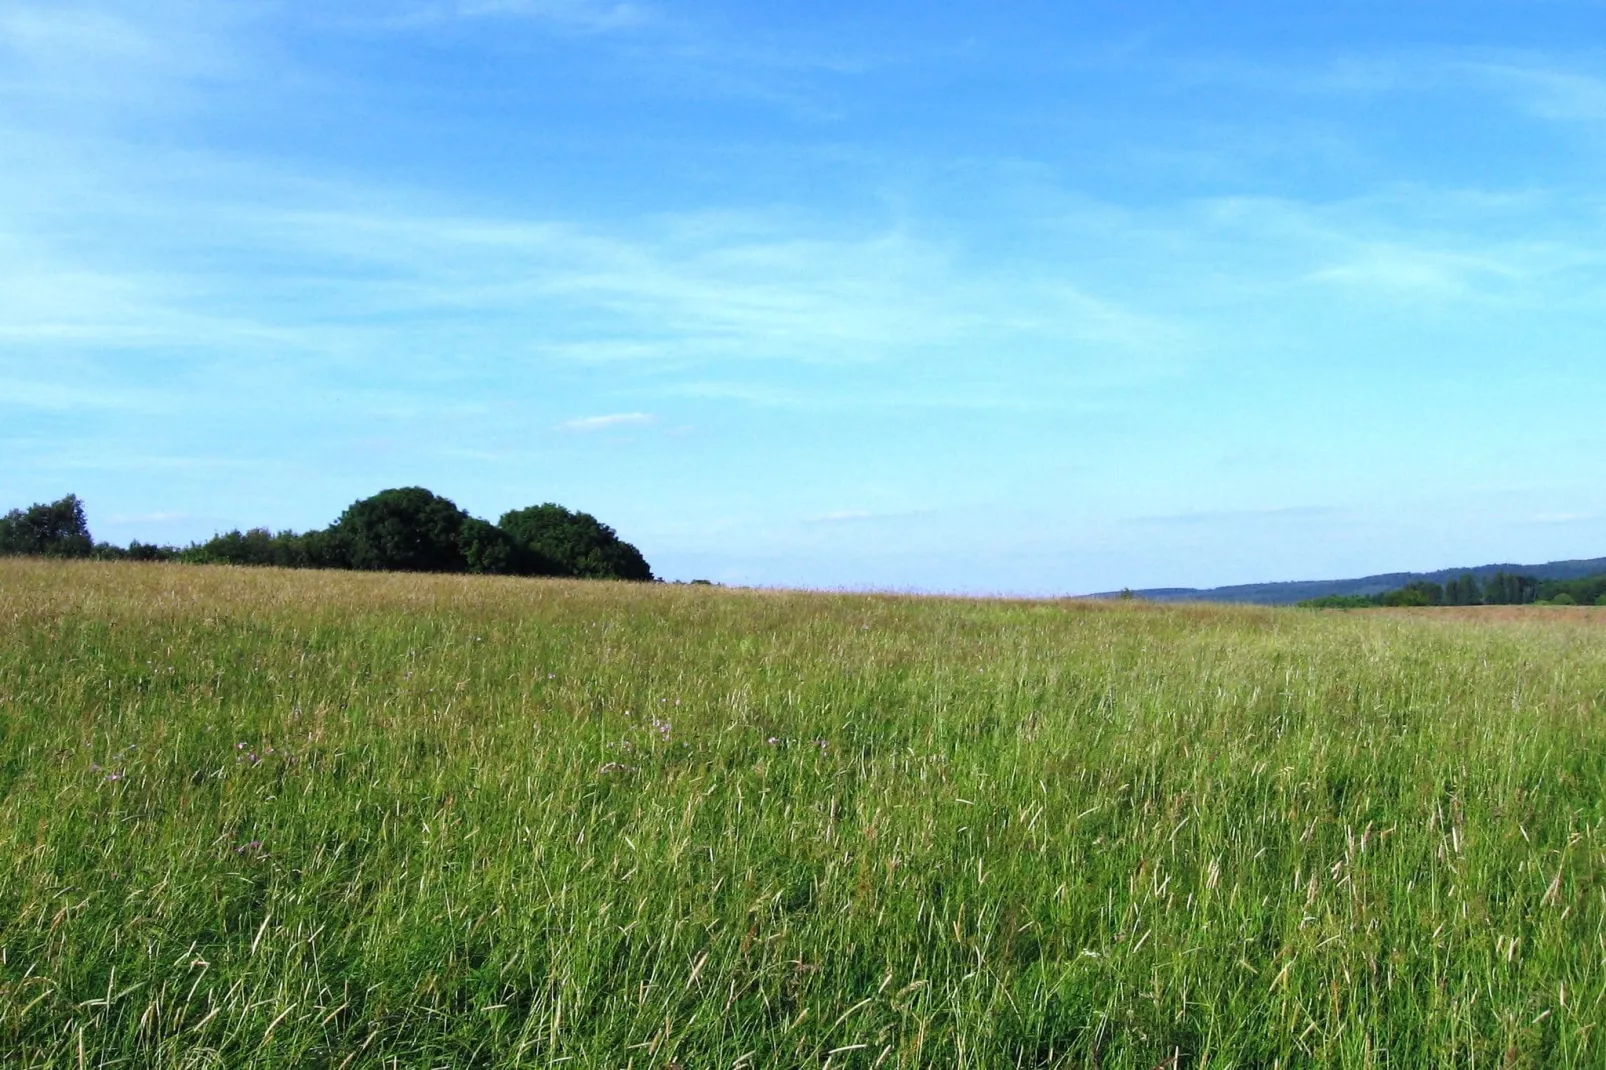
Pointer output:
x,y
1339,601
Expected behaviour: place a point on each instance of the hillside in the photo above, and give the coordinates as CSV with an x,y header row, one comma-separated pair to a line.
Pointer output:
x,y
1288,593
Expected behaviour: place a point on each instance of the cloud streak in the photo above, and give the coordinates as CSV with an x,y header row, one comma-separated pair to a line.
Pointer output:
x,y
586,16
611,422
863,516
604,15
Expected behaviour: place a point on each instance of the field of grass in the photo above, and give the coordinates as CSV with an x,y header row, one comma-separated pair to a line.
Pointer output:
x,y
272,819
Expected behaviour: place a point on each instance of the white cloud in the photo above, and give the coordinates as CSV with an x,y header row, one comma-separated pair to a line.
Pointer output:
x,y
1548,92
64,396
39,34
589,424
1565,518
1415,270
115,58
715,288
598,15
122,519
846,516
860,516
1295,513
586,15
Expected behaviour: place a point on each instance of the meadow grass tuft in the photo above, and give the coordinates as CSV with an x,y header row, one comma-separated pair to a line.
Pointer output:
x,y
273,819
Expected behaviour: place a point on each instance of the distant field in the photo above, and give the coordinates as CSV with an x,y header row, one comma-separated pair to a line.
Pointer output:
x,y
273,819
1556,616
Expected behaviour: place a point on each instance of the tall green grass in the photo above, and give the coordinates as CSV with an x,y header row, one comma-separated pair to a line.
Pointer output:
x,y
266,819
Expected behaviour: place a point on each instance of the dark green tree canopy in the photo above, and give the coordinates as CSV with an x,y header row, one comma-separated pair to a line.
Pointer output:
x,y
489,550
54,530
577,543
408,529
405,529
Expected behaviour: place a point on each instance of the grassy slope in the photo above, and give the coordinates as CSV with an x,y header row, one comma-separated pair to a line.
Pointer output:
x,y
264,819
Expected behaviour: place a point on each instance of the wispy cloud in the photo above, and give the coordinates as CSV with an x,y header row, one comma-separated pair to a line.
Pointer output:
x,y
44,33
64,396
1563,518
862,516
611,422
1548,92
582,15
119,519
113,56
1453,244
598,14
1415,271
693,291
1235,516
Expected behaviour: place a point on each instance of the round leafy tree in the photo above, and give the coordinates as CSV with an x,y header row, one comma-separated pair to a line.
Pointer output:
x,y
403,530
578,544
490,550
55,530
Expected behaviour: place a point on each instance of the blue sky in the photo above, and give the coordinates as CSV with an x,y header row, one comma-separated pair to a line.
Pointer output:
x,y
1029,298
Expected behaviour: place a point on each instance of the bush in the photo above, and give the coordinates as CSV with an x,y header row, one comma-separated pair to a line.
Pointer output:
x,y
1339,601
577,544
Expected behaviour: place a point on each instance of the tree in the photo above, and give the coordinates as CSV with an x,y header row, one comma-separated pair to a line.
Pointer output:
x,y
1506,589
259,546
577,544
255,547
489,550
407,529
136,551
1420,593
54,530
1463,591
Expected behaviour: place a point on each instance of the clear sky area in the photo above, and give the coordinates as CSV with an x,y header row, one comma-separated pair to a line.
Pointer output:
x,y
977,297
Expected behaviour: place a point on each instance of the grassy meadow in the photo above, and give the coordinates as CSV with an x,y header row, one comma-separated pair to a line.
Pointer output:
x,y
252,818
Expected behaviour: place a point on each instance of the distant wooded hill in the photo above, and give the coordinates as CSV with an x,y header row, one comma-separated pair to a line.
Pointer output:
x,y
1294,592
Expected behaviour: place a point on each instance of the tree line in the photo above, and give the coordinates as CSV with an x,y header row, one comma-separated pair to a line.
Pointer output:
x,y
405,529
1501,589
